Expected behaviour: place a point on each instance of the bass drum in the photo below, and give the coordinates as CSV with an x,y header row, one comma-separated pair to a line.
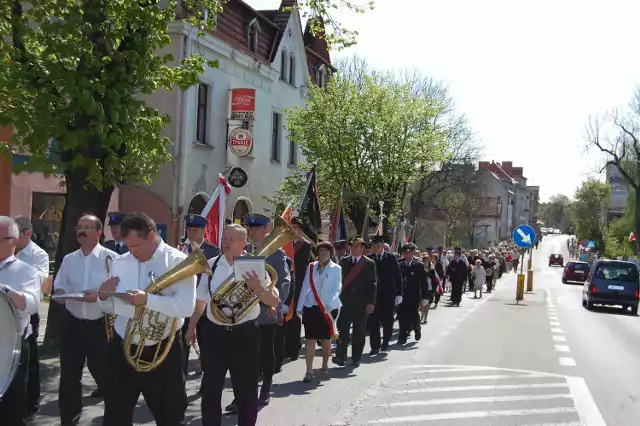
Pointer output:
x,y
10,342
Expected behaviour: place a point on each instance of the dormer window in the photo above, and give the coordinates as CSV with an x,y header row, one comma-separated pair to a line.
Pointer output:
x,y
292,70
252,35
283,65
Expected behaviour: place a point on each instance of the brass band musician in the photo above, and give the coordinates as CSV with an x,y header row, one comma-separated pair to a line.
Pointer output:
x,y
163,385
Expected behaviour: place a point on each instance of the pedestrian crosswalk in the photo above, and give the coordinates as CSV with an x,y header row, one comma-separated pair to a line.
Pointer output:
x,y
463,395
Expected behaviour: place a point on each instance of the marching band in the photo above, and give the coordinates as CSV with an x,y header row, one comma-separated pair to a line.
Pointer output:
x,y
155,297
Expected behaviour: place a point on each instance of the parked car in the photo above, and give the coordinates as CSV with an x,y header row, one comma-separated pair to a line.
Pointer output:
x,y
575,271
612,282
556,259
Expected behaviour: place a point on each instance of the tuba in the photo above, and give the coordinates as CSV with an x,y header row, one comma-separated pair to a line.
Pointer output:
x,y
233,296
154,330
10,342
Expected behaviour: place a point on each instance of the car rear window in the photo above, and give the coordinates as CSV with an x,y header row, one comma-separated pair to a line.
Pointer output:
x,y
580,266
617,272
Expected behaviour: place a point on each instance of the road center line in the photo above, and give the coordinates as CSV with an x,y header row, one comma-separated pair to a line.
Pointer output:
x,y
556,330
562,348
554,323
559,338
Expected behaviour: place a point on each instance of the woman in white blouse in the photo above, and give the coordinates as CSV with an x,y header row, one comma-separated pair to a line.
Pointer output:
x,y
319,305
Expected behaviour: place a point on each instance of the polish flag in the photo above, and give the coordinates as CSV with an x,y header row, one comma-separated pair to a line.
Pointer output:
x,y
214,212
632,237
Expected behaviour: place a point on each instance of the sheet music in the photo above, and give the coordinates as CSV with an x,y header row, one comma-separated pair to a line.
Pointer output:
x,y
246,264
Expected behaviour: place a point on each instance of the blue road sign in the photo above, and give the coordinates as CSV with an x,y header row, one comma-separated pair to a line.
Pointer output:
x,y
524,236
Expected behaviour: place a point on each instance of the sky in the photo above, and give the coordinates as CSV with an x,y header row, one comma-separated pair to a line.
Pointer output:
x,y
526,74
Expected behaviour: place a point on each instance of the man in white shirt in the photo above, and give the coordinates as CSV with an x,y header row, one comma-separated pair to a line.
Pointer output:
x,y
234,348
83,336
21,283
163,388
29,252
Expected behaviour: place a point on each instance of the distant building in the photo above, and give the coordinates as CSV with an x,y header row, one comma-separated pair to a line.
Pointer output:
x,y
619,191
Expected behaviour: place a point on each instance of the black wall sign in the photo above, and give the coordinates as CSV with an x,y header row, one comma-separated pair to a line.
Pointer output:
x,y
237,177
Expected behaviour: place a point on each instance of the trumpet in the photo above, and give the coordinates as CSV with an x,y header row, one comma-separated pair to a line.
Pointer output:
x,y
232,300
154,329
109,320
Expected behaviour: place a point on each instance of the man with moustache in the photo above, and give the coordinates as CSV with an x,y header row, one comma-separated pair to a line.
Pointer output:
x,y
358,297
21,285
30,253
83,335
389,295
116,244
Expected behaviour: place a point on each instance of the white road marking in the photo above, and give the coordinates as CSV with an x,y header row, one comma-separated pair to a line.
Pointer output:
x,y
474,414
484,388
567,362
444,401
562,348
559,338
585,405
554,323
554,318
556,330
465,378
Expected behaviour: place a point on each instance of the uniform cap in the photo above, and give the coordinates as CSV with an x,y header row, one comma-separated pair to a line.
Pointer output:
x,y
115,218
195,221
255,219
376,239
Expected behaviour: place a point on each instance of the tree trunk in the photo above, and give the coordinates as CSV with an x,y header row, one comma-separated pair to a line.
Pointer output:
x,y
78,201
637,219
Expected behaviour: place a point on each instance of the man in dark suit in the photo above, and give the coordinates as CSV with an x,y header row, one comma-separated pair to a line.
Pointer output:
x,y
359,285
416,294
389,295
115,218
195,228
302,256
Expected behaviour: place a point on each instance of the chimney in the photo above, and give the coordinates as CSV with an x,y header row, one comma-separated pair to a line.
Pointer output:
x,y
517,172
483,165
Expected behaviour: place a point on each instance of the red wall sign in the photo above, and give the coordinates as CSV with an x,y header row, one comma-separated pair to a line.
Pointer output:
x,y
243,104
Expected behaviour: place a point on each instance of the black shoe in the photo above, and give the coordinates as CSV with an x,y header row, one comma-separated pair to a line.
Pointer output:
x,y
338,361
374,352
31,415
418,334
264,398
385,346
402,341
232,408
355,363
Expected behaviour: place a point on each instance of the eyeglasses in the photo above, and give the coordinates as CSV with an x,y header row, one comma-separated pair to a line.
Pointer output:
x,y
85,228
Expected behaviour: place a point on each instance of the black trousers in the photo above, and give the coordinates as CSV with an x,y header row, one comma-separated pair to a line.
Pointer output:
x,y
267,351
356,315
163,388
33,382
13,405
187,348
279,345
293,344
234,349
82,340
408,317
382,316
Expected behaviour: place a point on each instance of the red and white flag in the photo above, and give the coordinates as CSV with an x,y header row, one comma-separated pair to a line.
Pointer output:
x,y
632,237
214,212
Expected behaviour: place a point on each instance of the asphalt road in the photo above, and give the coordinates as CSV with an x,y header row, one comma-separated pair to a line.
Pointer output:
x,y
543,361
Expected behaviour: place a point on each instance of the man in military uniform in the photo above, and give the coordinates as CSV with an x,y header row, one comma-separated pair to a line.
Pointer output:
x,y
195,226
359,285
389,295
340,248
115,218
302,256
416,294
270,318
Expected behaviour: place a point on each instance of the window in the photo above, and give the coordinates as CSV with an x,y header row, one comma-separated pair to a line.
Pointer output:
x,y
203,114
293,153
292,70
283,65
321,76
275,137
252,36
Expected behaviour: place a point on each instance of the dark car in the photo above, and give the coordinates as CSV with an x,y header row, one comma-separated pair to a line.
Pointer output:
x,y
556,259
612,282
575,271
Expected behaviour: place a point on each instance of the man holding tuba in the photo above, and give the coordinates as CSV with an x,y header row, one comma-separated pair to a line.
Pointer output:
x,y
20,283
156,371
83,334
228,345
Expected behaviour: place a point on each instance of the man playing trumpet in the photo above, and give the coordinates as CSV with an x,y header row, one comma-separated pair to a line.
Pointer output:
x,y
163,385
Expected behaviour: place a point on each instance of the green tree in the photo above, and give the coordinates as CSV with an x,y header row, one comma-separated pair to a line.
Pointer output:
x,y
555,212
589,211
618,230
369,133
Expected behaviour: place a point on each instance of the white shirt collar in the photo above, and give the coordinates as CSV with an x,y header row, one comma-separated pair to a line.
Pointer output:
x,y
95,252
7,260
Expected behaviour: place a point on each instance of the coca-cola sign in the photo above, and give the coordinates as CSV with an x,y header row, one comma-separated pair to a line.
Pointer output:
x,y
243,104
